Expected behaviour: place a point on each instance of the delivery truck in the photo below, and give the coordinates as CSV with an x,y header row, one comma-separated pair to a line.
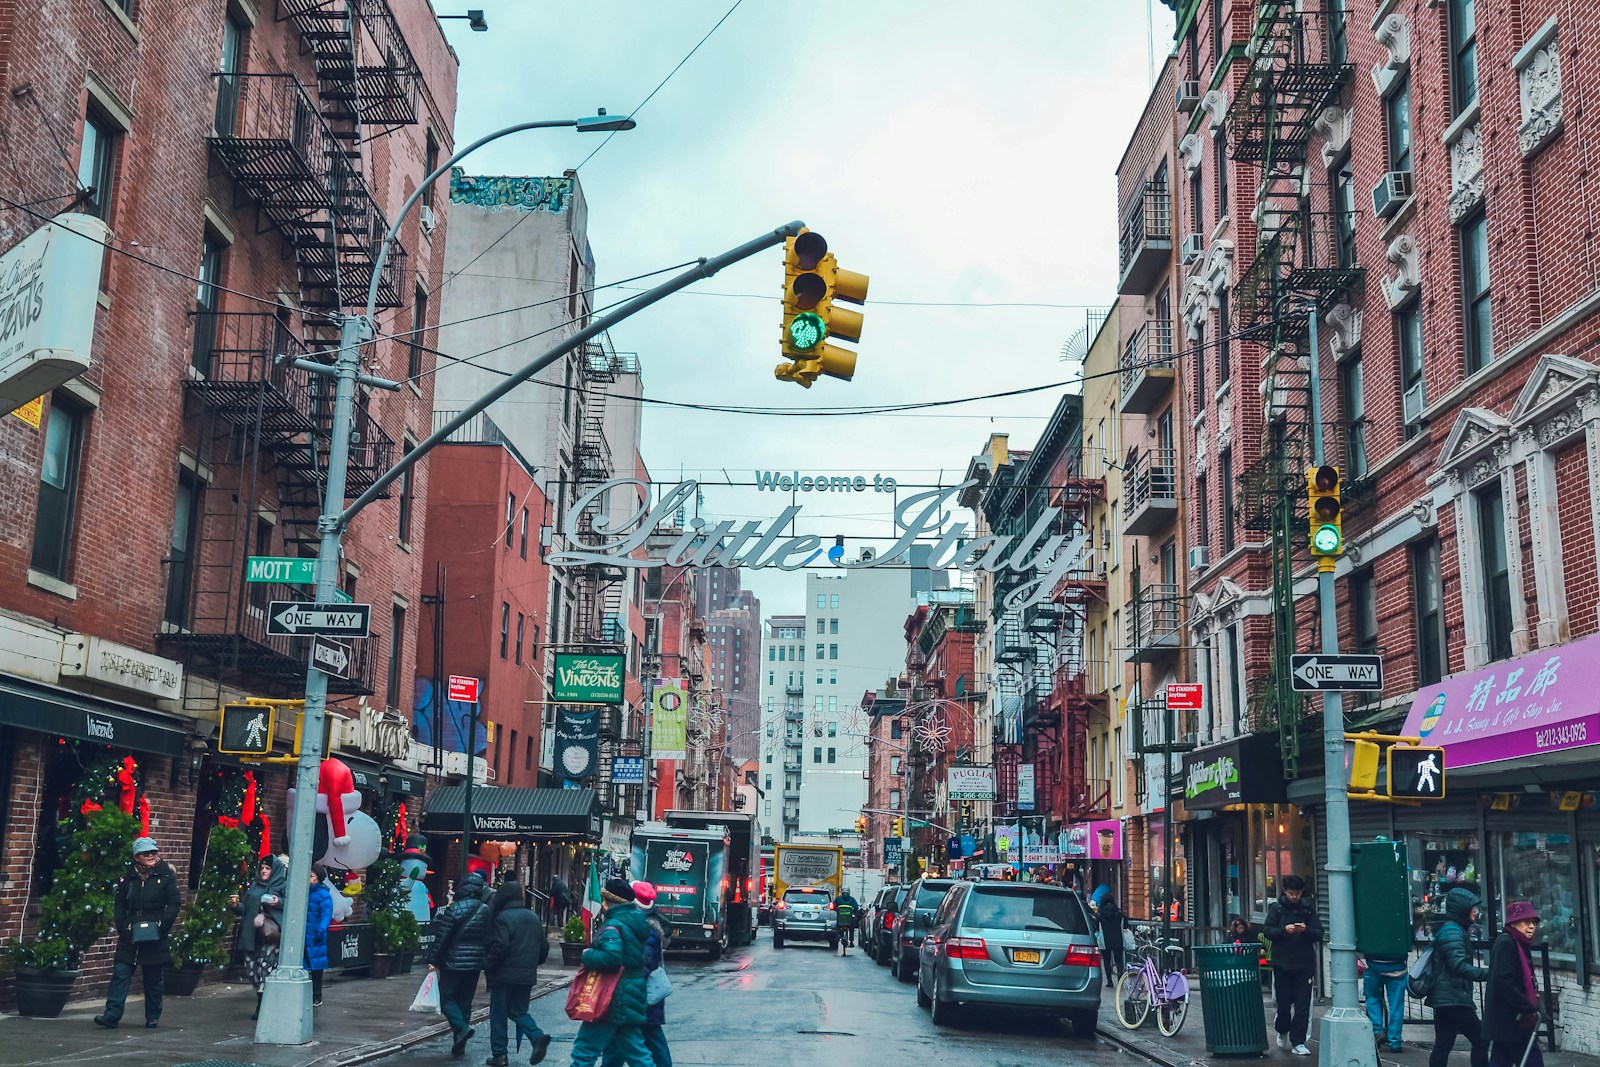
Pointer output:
x,y
689,868
743,889
795,866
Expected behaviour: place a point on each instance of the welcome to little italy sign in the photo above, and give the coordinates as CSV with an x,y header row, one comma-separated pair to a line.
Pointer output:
x,y
624,542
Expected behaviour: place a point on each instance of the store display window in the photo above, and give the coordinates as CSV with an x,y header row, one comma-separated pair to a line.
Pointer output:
x,y
1541,868
1439,862
1275,830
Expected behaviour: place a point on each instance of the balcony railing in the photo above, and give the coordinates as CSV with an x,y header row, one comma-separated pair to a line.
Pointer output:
x,y
1089,798
1150,491
1157,728
1155,621
247,372
1145,245
1147,368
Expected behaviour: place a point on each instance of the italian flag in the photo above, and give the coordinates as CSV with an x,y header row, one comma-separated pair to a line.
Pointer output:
x,y
591,900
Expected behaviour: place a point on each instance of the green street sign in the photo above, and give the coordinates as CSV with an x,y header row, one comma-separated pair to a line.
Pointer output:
x,y
287,570
920,824
587,679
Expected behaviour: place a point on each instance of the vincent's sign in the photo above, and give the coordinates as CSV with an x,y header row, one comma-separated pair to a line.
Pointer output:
x,y
748,544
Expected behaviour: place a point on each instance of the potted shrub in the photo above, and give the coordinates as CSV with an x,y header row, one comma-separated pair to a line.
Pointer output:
x,y
204,928
394,933
573,942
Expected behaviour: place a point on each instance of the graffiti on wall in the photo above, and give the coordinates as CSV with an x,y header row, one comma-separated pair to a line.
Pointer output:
x,y
520,194
456,716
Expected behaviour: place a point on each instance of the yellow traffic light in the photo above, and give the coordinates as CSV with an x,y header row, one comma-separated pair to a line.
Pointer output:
x,y
861,825
1325,508
1363,766
812,281
899,827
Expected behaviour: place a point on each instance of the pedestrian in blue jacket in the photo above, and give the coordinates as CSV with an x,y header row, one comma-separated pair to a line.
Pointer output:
x,y
319,916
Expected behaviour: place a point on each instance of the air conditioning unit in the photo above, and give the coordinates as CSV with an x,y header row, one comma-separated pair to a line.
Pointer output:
x,y
426,220
1193,247
1415,401
1199,558
1391,194
1188,96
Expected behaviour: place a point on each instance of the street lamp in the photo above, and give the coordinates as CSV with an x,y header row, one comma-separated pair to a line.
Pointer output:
x,y
285,1018
475,20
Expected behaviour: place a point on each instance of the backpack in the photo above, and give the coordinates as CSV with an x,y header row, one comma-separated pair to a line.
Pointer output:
x,y
1420,976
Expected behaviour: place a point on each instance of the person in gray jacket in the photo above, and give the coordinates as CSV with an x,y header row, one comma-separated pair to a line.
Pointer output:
x,y
460,932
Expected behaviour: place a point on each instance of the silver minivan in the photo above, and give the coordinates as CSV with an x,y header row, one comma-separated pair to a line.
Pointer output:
x,y
1012,945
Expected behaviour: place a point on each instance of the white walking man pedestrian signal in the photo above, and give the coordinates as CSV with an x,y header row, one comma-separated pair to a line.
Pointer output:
x,y
1417,773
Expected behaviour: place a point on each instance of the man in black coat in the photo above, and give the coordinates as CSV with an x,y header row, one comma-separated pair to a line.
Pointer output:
x,y
1295,931
146,905
517,945
1113,924
460,932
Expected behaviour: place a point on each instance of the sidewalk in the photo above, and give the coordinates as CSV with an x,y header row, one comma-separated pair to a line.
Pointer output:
x,y
1189,1046
361,1020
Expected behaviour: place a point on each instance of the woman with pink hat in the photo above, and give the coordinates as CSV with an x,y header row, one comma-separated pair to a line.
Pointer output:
x,y
655,1015
1511,1001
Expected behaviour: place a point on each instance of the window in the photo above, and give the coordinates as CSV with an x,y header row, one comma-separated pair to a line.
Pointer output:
x,y
228,75
260,592
505,628
1219,148
430,163
522,547
415,345
894,765
1429,616
822,626
180,552
833,600
1230,645
833,677
58,488
1364,610
1355,414
1463,55
397,638
1397,116
894,798
833,651
511,514
894,729
97,164
1219,27
822,600
1478,326
510,746
407,498
1225,472
1198,364
833,626
1197,208
1342,197
206,300
527,753
521,621
772,657
1338,33
1203,534
1496,571
1408,339
831,753
833,727
816,755
1224,343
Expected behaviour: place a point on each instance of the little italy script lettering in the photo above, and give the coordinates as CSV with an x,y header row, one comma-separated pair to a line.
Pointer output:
x,y
624,541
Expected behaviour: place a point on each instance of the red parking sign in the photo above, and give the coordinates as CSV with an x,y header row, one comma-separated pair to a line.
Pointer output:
x,y
463,689
1185,696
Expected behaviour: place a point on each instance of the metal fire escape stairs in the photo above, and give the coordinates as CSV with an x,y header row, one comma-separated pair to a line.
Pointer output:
x,y
296,157
1077,693
1301,268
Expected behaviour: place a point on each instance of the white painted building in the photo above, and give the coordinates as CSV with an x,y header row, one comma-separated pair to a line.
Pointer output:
x,y
781,673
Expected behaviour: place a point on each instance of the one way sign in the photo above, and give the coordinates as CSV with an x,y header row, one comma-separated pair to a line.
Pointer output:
x,y
331,657
288,618
1322,672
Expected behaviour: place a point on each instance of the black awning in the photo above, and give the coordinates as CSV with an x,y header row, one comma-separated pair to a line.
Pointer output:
x,y
515,812
63,713
404,784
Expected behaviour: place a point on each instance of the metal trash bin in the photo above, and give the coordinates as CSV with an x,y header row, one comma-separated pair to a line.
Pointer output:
x,y
1230,998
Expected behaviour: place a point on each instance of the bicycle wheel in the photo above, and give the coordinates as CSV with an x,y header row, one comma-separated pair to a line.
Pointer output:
x,y
1133,1000
1170,1014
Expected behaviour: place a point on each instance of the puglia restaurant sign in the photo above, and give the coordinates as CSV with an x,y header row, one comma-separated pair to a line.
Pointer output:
x,y
1036,553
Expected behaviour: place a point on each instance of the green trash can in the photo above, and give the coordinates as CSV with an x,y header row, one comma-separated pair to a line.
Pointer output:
x,y
1230,998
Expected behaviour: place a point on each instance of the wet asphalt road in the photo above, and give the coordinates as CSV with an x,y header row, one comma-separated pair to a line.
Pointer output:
x,y
806,1007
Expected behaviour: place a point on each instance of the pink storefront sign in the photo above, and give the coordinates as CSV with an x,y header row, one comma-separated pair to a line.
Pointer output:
x,y
1541,702
1098,840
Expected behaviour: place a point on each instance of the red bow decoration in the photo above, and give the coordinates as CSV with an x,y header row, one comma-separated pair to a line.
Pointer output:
x,y
228,821
247,812
144,816
89,807
400,826
266,836
125,780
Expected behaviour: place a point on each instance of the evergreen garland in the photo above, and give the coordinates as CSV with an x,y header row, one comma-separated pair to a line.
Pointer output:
x,y
201,934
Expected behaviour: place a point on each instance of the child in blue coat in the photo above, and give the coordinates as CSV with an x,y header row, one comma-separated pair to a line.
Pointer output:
x,y
319,914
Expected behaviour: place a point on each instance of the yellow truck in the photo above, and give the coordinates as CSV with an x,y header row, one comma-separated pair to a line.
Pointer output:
x,y
797,866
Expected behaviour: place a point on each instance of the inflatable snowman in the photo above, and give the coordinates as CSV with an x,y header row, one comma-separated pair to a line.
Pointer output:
x,y
346,837
413,869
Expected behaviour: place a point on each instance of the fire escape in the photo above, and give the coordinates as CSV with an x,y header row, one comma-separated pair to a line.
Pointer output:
x,y
264,425
1079,685
1305,263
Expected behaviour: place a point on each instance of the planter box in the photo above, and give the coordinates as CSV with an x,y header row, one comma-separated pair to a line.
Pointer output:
x,y
182,981
42,994
572,953
382,964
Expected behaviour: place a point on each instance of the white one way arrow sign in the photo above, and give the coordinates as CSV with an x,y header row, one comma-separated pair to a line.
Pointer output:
x,y
1321,672
287,618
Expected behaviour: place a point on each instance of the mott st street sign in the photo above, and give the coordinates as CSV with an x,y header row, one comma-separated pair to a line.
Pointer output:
x,y
1321,672
289,618
286,570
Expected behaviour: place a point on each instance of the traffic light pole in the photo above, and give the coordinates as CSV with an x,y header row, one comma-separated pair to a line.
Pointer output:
x,y
1346,1037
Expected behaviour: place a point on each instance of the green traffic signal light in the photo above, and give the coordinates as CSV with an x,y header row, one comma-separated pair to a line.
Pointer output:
x,y
807,331
1326,540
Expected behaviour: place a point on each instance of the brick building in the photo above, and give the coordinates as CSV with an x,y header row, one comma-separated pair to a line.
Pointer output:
x,y
733,641
244,196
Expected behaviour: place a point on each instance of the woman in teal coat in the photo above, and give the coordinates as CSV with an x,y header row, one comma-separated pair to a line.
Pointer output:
x,y
618,946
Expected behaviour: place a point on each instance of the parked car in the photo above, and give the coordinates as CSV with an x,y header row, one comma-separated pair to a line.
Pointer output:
x,y
868,925
882,929
1011,945
805,914
911,922
763,912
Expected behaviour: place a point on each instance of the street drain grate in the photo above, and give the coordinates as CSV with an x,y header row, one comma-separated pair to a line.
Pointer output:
x,y
827,1033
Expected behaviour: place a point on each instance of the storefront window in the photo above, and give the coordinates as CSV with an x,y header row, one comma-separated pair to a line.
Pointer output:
x,y
1274,828
1445,861
1539,867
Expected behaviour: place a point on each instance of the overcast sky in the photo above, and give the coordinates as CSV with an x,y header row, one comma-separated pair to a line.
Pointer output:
x,y
955,152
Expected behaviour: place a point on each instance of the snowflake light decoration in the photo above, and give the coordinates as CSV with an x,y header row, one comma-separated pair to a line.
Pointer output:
x,y
932,731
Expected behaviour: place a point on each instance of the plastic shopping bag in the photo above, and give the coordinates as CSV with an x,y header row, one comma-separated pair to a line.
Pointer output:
x,y
427,998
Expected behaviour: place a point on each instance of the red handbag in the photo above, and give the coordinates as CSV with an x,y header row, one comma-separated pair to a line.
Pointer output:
x,y
589,996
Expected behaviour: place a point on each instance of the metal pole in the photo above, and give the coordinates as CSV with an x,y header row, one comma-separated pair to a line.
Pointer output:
x,y
1346,1033
466,800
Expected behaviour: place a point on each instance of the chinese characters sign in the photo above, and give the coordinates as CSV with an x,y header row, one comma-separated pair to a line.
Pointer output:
x,y
1537,703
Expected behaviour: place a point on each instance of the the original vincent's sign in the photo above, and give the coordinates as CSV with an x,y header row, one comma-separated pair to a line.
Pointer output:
x,y
625,543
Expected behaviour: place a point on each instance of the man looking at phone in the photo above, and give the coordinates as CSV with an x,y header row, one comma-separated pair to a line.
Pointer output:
x,y
1294,930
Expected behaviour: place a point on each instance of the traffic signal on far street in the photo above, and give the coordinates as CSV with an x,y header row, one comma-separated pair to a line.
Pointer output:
x,y
1417,773
1326,508
812,282
899,827
861,824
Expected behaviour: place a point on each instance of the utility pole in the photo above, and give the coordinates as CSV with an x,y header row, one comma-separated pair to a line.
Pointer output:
x,y
1346,1033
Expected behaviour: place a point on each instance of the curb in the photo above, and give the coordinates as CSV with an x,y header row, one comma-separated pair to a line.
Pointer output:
x,y
1154,1053
362,1054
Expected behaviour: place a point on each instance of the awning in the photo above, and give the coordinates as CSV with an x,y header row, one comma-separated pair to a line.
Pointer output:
x,y
1532,705
60,712
401,783
515,811
1246,770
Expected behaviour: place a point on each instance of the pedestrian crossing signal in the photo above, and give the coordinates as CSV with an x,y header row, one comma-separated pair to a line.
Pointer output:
x,y
1417,773
247,729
